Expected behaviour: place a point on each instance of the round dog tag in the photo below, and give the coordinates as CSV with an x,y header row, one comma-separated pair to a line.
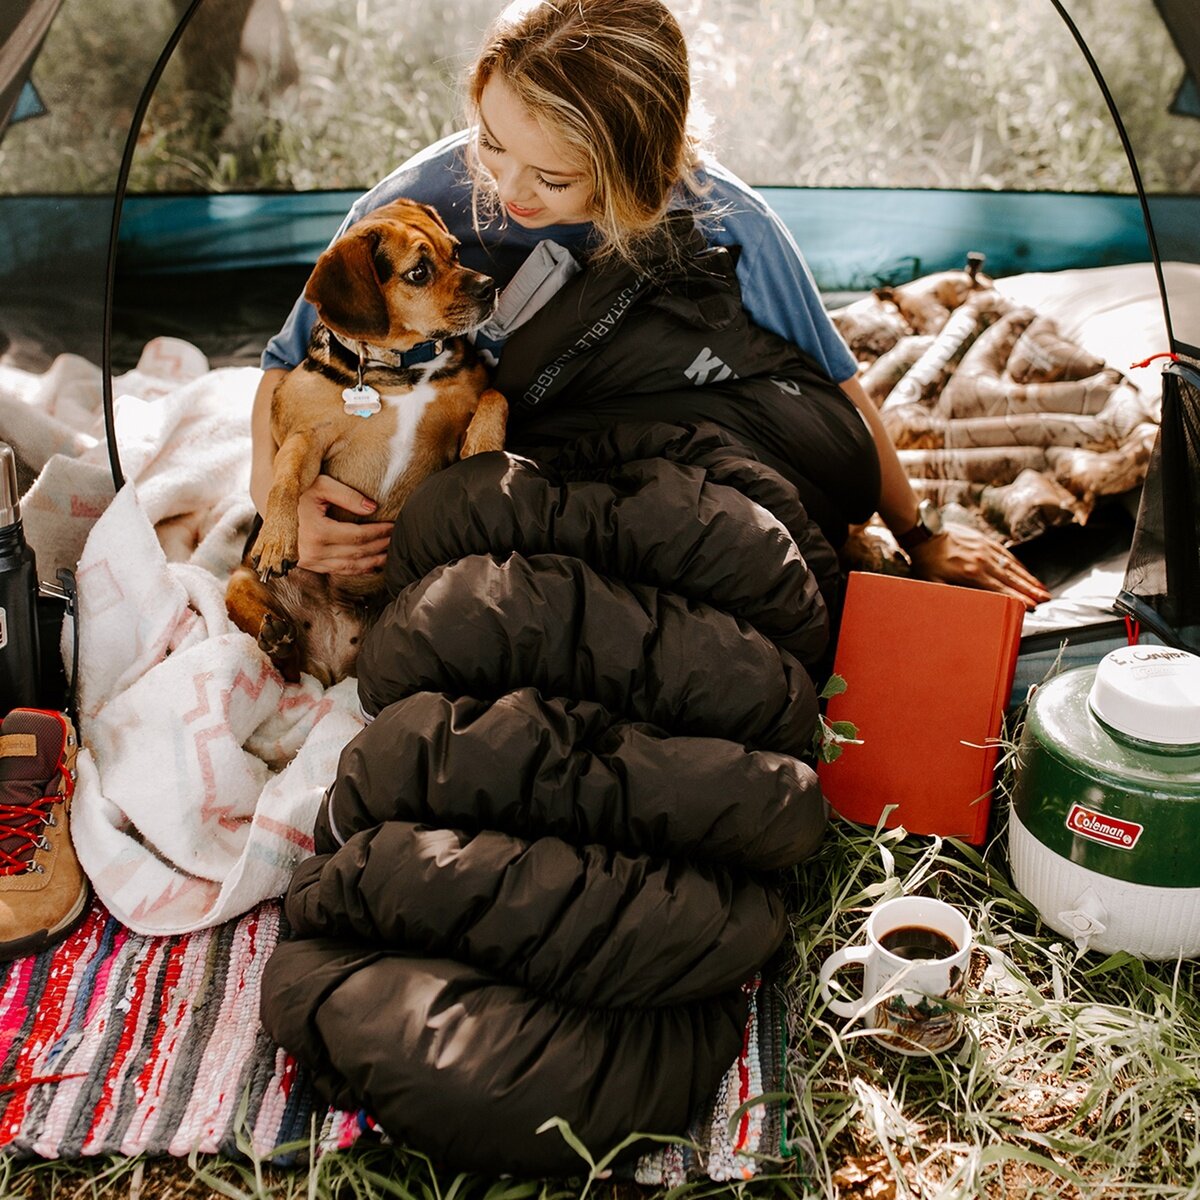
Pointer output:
x,y
361,401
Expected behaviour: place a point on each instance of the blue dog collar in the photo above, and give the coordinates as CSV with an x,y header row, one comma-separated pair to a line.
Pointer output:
x,y
362,400
366,353
422,352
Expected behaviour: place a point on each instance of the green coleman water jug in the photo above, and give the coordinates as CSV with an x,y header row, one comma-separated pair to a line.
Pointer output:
x,y
1106,803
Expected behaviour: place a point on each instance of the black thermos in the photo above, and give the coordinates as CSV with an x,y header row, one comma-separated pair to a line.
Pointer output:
x,y
20,668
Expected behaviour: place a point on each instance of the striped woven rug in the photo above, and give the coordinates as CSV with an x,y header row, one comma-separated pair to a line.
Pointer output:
x,y
116,1043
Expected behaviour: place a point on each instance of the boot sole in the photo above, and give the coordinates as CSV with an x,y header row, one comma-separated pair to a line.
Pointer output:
x,y
43,939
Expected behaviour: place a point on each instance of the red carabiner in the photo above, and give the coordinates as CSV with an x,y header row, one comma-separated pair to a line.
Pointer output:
x,y
1146,362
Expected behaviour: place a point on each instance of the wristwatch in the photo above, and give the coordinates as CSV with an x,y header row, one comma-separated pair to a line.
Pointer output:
x,y
929,525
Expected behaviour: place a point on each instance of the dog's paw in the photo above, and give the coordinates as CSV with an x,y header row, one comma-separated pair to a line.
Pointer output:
x,y
274,555
487,426
482,436
277,638
473,446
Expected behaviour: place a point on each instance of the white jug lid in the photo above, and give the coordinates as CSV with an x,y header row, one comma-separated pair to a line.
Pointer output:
x,y
1151,693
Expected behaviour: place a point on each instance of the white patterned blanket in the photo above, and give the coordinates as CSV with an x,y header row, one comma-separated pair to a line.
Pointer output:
x,y
201,770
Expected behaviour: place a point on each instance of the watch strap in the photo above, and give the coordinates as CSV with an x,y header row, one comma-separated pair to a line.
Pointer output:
x,y
928,525
913,537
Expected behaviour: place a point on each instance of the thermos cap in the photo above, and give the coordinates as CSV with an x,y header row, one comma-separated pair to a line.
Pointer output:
x,y
1151,693
10,500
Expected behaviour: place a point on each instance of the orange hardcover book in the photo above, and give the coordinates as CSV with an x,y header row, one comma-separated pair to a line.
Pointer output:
x,y
928,670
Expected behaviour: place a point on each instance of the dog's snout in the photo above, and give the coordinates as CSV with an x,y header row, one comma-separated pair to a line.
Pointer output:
x,y
482,288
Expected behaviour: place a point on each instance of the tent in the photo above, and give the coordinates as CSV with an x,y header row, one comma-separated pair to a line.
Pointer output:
x,y
90,267
92,270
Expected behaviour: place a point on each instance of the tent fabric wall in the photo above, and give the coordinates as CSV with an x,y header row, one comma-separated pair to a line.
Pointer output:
x,y
54,248
1182,18
1162,580
853,237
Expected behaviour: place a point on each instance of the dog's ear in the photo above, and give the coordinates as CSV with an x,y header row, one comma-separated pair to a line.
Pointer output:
x,y
345,290
435,217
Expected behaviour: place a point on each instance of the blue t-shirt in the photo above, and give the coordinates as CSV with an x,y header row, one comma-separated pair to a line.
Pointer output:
x,y
777,289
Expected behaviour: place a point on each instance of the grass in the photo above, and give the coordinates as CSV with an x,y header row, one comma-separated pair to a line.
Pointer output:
x,y
1080,1074
1079,1078
911,93
372,1173
931,93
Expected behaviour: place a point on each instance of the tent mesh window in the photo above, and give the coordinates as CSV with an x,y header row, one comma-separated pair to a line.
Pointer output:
x,y
1162,579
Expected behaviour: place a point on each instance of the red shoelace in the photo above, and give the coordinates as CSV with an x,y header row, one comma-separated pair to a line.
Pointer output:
x,y
21,827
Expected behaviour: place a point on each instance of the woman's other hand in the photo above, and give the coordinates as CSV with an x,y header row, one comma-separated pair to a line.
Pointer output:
x,y
331,545
962,554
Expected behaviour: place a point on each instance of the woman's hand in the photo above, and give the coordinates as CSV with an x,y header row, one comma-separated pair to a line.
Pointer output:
x,y
333,546
962,554
329,544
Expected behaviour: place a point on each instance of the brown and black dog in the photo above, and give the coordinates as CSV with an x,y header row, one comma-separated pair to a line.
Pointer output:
x,y
389,392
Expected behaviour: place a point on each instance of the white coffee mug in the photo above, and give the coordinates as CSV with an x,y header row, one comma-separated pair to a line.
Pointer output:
x,y
914,966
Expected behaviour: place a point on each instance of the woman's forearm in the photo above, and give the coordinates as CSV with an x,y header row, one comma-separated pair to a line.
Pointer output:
x,y
262,452
961,554
897,500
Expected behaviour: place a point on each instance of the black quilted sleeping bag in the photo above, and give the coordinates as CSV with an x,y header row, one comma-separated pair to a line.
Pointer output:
x,y
548,864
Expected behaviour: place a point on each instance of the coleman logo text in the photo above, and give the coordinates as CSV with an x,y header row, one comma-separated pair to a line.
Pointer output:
x,y
1108,831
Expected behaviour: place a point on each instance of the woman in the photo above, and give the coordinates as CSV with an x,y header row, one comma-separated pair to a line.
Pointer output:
x,y
579,136
546,866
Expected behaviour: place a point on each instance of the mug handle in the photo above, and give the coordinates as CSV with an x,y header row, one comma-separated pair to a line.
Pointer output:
x,y
830,967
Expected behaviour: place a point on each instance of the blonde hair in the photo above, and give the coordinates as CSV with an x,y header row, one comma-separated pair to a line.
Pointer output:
x,y
609,80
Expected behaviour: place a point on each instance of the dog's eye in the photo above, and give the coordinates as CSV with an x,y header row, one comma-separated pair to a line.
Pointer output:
x,y
419,274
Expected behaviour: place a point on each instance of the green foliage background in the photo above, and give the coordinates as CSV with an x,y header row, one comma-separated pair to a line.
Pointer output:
x,y
901,93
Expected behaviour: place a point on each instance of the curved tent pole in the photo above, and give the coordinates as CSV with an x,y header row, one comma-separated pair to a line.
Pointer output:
x,y
1127,601
110,271
1115,114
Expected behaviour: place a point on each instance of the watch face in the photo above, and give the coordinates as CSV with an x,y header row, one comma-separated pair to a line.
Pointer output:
x,y
928,525
930,516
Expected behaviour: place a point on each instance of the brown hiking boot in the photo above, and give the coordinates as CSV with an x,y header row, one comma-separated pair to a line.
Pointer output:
x,y
43,891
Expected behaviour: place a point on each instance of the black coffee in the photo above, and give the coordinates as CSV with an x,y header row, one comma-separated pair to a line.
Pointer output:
x,y
918,941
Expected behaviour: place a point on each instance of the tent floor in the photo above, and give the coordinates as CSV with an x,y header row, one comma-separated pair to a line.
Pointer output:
x,y
229,315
